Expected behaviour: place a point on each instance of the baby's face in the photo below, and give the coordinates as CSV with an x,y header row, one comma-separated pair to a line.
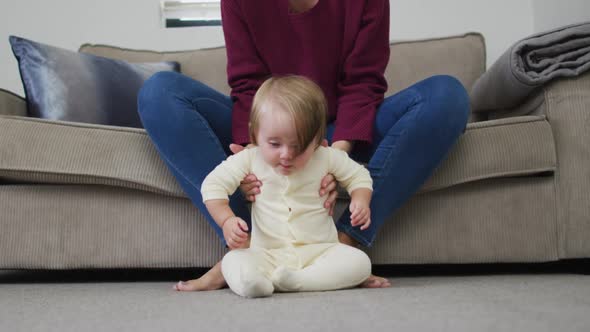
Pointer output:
x,y
277,140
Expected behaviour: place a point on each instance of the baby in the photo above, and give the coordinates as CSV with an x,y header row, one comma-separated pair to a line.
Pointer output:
x,y
294,243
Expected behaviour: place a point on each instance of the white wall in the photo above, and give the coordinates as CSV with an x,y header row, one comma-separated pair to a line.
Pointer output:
x,y
502,22
550,14
70,23
136,24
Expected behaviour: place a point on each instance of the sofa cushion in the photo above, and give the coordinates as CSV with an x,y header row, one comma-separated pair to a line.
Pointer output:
x,y
75,153
11,104
207,65
71,152
517,146
65,85
461,56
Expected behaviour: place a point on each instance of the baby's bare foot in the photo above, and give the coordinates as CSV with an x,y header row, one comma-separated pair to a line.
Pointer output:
x,y
375,282
211,280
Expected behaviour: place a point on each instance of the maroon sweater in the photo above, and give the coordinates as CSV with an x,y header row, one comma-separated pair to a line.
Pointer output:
x,y
343,45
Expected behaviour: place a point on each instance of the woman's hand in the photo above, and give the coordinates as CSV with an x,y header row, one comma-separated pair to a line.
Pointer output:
x,y
345,146
328,187
235,232
250,186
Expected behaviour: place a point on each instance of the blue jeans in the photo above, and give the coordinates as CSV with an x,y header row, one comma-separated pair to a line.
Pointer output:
x,y
190,126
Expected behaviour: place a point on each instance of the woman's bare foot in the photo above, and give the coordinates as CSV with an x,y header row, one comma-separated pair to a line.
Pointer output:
x,y
211,280
373,281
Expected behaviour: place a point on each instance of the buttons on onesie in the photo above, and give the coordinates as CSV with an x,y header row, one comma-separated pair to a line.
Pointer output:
x,y
286,183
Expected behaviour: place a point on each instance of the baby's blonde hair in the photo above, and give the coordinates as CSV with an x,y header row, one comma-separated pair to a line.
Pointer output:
x,y
302,99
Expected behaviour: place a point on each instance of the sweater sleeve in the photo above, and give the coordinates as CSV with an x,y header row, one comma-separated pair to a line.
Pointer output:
x,y
362,85
245,70
226,177
349,174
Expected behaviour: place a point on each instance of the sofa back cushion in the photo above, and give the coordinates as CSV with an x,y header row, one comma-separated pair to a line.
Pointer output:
x,y
12,104
461,56
206,65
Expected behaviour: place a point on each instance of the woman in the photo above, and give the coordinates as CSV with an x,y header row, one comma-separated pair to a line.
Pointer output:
x,y
343,45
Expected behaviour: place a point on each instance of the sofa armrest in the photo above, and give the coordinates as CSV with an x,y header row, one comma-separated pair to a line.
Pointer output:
x,y
12,104
567,105
536,103
58,152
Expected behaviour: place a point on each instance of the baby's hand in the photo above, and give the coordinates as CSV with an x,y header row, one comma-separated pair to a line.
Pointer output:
x,y
360,214
235,232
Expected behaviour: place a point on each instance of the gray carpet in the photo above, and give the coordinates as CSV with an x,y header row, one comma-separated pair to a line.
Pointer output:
x,y
551,302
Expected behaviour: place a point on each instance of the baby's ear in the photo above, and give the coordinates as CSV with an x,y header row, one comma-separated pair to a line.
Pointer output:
x,y
324,142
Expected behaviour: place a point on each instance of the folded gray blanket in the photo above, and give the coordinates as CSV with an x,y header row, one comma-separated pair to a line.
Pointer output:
x,y
530,63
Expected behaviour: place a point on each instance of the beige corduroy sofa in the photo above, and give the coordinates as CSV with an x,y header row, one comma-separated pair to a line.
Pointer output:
x,y
515,188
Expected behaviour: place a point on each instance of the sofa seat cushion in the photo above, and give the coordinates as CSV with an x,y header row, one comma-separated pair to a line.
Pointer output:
x,y
518,146
59,152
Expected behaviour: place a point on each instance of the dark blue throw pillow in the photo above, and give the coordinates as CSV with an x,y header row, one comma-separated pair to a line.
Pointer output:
x,y
65,85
